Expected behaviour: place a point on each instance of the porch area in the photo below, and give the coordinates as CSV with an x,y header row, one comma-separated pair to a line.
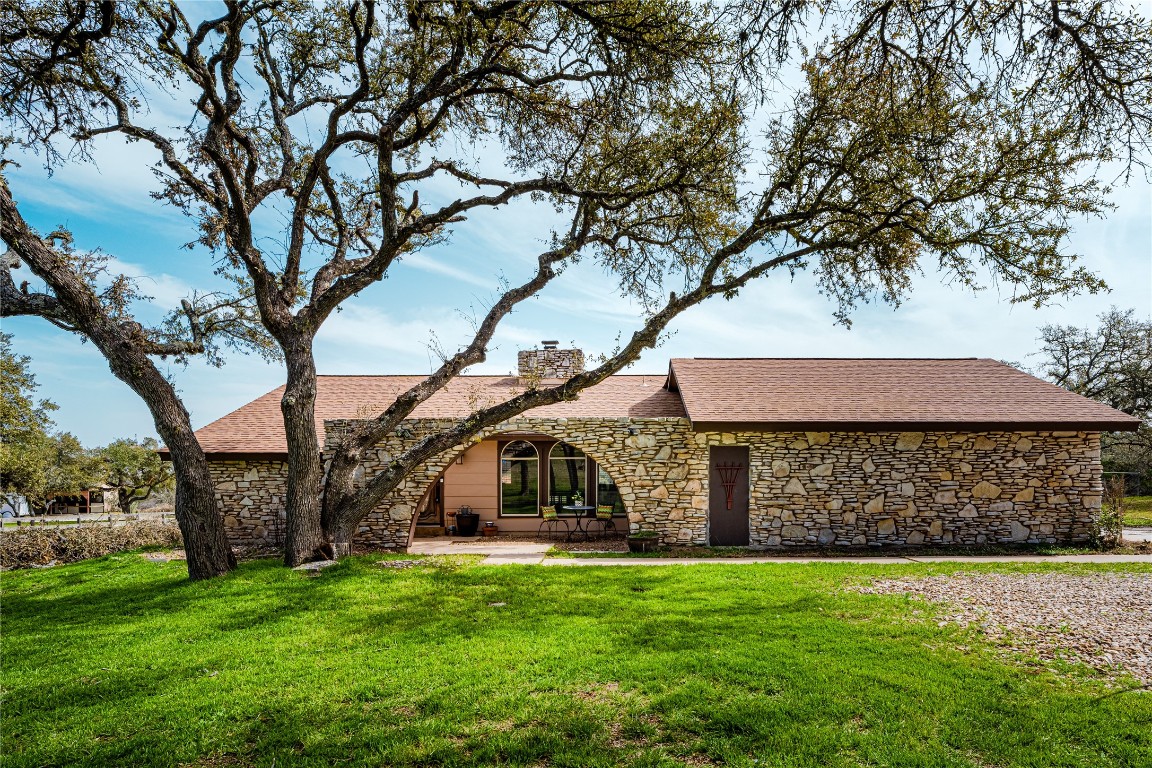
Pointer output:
x,y
522,486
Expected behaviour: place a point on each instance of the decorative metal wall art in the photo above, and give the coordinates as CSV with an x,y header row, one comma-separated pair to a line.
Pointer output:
x,y
728,475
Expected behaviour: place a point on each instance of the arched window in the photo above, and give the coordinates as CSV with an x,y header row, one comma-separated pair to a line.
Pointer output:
x,y
519,479
567,475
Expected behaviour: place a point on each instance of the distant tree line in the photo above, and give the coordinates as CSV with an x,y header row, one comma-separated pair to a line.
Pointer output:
x,y
1111,363
39,462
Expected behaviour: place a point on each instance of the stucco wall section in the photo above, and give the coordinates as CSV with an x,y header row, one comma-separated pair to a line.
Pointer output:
x,y
474,482
251,495
807,488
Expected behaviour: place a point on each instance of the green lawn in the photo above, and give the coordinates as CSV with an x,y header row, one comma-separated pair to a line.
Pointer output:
x,y
1139,510
120,661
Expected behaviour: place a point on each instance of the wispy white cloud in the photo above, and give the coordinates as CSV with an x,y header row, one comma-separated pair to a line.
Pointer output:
x,y
367,339
437,266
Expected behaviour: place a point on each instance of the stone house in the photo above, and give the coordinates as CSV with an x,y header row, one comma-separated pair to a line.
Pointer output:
x,y
767,453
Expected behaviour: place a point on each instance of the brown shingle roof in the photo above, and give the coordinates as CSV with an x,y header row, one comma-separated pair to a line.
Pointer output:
x,y
724,394
811,393
258,429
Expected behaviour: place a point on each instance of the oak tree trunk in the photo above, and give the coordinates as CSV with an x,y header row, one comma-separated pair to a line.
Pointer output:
x,y
342,531
201,524
304,538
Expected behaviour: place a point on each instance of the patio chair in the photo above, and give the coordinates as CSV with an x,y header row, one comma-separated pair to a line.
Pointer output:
x,y
551,521
604,518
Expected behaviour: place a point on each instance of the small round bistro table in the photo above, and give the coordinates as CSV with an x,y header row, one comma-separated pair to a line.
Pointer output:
x,y
581,511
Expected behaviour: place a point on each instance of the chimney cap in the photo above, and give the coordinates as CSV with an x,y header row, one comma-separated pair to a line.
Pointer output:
x,y
548,344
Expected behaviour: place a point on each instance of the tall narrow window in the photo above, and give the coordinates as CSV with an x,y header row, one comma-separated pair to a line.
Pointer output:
x,y
519,479
567,475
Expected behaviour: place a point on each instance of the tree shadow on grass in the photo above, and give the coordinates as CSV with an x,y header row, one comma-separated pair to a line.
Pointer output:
x,y
475,666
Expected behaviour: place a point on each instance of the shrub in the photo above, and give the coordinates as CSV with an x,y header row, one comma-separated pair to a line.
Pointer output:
x,y
25,547
1110,524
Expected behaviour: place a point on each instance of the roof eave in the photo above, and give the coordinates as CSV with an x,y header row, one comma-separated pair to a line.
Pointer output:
x,y
915,426
166,455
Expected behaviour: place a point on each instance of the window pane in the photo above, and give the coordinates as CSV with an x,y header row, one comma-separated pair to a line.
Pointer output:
x,y
565,451
565,478
607,493
521,449
519,484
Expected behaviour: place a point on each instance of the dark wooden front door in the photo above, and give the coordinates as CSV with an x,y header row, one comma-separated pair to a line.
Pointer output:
x,y
433,513
728,496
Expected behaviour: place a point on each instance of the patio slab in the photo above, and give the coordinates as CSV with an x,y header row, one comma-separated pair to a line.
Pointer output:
x,y
532,553
498,552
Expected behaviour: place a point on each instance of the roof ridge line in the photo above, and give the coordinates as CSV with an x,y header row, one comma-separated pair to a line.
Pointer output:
x,y
861,359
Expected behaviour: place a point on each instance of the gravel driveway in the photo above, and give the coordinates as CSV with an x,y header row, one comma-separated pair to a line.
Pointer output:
x,y
1103,620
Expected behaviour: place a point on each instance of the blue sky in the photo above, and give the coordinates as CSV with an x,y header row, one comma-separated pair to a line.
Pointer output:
x,y
392,327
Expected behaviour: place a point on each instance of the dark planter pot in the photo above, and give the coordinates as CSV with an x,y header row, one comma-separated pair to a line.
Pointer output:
x,y
643,543
466,524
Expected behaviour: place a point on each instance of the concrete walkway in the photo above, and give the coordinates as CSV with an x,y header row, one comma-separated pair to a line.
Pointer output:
x,y
515,553
1138,534
571,561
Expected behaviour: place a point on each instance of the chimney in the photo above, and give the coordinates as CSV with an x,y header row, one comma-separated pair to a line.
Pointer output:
x,y
550,362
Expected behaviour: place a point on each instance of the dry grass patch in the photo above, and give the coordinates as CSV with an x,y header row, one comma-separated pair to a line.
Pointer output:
x,y
33,546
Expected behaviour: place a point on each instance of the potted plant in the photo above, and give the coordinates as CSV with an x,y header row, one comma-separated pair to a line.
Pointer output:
x,y
490,529
642,540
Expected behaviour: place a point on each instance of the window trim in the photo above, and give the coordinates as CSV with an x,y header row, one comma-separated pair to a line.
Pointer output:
x,y
592,469
501,447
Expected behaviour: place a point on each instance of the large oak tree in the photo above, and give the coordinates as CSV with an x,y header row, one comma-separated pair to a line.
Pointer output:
x,y
85,299
690,147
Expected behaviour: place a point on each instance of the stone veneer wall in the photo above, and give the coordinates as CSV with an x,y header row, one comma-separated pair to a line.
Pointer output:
x,y
624,457
251,494
833,488
922,488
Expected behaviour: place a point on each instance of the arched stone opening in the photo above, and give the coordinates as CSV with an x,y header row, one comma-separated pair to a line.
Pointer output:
x,y
659,466
605,480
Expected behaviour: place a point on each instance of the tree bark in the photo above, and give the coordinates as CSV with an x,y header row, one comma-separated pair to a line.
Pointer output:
x,y
305,539
201,524
341,532
205,540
